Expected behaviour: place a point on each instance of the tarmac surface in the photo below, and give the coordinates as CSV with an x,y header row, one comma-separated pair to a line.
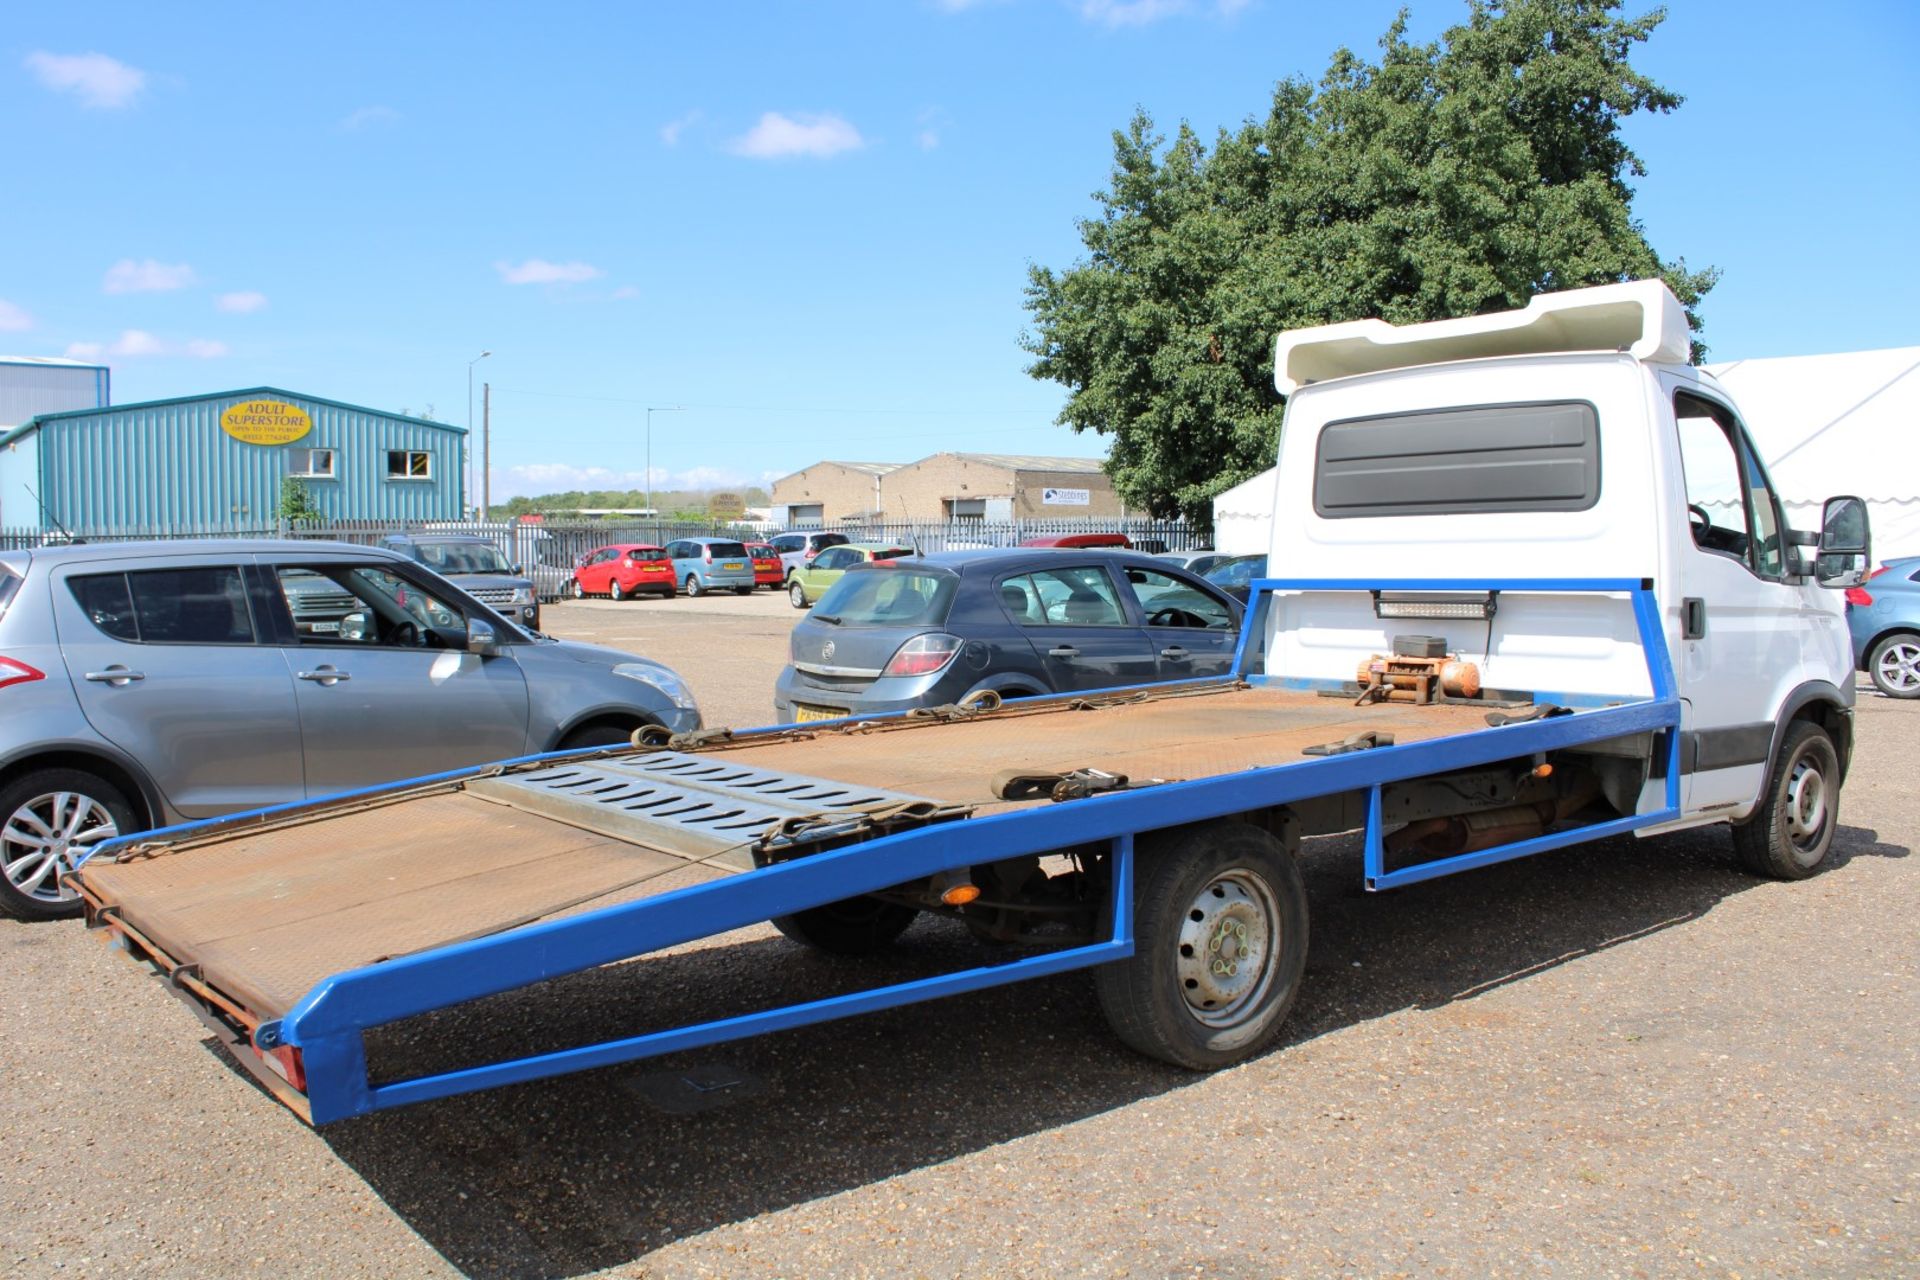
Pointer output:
x,y
1620,1059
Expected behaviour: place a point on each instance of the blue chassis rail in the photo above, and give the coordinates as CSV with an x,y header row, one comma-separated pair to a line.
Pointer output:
x,y
328,1024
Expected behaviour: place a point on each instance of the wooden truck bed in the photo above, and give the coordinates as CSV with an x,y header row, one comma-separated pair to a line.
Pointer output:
x,y
266,914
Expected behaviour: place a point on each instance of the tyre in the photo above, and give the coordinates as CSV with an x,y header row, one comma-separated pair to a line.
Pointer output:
x,y
743,591
615,591
695,588
1791,832
596,735
850,927
1894,666
48,818
796,594
1220,944
575,590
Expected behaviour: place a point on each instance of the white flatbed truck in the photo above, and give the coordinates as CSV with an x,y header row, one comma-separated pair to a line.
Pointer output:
x,y
1553,495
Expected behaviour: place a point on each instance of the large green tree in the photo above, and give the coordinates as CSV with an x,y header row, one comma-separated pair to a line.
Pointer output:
x,y
1445,179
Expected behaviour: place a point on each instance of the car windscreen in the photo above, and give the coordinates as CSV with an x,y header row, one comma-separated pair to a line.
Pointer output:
x,y
888,598
647,553
1238,573
9,586
463,557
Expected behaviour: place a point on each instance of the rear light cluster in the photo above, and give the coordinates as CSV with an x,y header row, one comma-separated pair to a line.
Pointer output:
x,y
1859,596
923,655
14,671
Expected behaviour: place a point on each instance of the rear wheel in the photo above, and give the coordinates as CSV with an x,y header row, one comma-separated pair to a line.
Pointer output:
x,y
694,587
1220,944
48,819
743,591
1894,666
1790,834
850,927
796,594
615,591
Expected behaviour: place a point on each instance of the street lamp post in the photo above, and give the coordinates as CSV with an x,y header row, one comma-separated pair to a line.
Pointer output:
x,y
470,486
651,410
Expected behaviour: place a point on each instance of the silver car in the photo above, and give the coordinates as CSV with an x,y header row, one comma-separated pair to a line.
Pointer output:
x,y
147,683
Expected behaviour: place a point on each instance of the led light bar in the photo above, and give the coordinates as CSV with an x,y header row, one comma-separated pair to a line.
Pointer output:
x,y
1417,604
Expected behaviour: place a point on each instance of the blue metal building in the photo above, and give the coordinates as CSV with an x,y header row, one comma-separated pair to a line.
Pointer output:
x,y
218,462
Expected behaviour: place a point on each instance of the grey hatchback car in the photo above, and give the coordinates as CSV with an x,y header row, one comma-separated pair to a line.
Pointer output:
x,y
932,630
148,683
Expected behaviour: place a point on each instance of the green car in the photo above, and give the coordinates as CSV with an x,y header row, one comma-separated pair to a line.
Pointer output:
x,y
806,583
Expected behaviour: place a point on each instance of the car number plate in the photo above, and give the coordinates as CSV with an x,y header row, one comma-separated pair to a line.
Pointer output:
x,y
733,564
323,626
803,713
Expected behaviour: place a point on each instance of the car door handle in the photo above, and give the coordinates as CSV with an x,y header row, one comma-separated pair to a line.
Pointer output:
x,y
116,675
325,675
1173,653
1063,651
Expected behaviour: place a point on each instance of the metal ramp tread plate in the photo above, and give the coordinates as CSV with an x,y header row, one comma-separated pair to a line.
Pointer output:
x,y
702,808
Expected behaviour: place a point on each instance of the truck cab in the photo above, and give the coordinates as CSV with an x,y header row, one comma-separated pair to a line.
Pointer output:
x,y
1572,439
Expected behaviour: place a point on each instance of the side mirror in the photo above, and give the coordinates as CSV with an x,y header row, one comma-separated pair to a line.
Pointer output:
x,y
1846,543
481,638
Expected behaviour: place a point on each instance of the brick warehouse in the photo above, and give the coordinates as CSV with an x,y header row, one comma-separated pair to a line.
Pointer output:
x,y
947,486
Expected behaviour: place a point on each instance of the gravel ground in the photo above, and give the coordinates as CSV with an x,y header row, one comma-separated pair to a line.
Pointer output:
x,y
1619,1059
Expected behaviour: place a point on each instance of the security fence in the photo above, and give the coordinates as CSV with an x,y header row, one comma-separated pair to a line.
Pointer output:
x,y
547,550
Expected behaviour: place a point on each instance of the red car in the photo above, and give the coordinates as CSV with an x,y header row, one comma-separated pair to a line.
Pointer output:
x,y
624,570
1080,540
767,570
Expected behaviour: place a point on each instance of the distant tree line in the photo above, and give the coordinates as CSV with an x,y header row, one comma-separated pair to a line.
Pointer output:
x,y
672,504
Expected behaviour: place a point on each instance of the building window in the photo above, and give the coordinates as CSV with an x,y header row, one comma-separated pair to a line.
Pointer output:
x,y
310,464
409,464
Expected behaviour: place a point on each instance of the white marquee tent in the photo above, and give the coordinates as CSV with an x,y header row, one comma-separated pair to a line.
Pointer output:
x,y
1846,423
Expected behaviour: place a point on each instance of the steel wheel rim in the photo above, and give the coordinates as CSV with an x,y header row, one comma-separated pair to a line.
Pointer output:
x,y
1806,804
1228,948
1899,666
45,836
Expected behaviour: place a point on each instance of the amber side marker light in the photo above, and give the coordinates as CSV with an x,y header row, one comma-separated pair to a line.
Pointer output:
x,y
960,895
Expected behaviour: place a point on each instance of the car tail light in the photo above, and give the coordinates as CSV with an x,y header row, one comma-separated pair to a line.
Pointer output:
x,y
923,655
1858,597
706,553
14,671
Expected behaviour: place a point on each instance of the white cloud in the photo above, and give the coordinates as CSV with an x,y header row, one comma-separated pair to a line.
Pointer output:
x,y
1140,13
134,343
14,319
670,131
778,136
96,79
367,117
535,478
243,303
961,6
128,276
540,271
626,291
931,121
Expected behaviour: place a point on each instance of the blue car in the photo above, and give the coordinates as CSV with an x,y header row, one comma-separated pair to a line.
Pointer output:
x,y
708,564
1884,616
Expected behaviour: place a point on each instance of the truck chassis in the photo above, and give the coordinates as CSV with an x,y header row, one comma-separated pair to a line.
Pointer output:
x,y
310,1051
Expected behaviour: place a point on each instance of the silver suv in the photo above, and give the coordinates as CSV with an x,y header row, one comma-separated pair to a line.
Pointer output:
x,y
478,568
148,683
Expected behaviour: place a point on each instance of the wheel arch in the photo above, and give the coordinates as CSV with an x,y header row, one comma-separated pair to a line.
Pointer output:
x,y
628,718
1885,633
1824,704
122,773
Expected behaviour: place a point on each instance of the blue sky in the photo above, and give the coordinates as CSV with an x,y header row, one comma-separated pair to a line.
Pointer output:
x,y
808,223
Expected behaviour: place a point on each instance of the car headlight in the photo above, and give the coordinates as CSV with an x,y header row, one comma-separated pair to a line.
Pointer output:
x,y
523,595
660,678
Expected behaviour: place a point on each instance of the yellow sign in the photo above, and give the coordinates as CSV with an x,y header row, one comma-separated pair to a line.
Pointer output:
x,y
726,506
266,422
